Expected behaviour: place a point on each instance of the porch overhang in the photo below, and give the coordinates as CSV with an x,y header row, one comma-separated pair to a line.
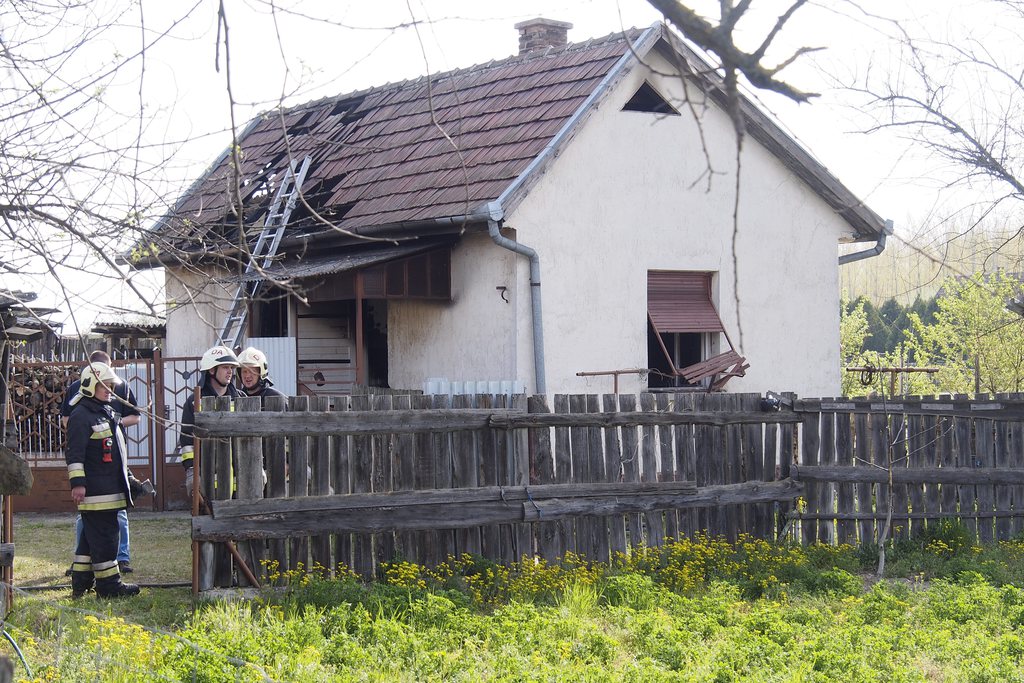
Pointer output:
x,y
333,264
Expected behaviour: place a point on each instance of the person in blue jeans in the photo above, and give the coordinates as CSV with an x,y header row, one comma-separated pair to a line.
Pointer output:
x,y
124,404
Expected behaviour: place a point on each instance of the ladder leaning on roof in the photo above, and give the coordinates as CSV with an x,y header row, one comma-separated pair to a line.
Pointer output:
x,y
287,195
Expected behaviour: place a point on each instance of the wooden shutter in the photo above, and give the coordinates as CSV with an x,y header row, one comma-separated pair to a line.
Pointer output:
x,y
681,302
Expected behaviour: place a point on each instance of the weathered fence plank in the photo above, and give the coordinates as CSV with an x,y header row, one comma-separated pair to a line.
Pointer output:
x,y
518,454
846,530
984,454
899,493
1016,447
595,466
686,463
826,493
450,420
964,445
929,475
377,512
465,474
341,477
864,492
250,474
918,429
551,536
362,482
613,473
809,457
649,471
320,485
667,462
275,457
631,468
1001,458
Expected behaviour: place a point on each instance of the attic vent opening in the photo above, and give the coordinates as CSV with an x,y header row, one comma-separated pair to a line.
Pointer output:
x,y
647,99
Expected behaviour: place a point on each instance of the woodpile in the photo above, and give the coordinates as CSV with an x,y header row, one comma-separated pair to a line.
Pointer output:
x,y
36,396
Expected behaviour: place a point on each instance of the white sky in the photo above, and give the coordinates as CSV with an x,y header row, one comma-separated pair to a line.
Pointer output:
x,y
186,96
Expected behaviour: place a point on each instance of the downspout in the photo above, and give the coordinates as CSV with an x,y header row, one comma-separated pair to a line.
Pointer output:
x,y
495,217
496,211
873,251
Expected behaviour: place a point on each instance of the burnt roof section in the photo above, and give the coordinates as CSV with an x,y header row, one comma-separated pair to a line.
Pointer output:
x,y
435,147
442,147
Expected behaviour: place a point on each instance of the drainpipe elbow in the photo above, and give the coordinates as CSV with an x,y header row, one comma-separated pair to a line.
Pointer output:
x,y
873,251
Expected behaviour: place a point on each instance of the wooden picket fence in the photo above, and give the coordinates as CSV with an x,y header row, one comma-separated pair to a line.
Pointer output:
x,y
357,481
949,457
365,479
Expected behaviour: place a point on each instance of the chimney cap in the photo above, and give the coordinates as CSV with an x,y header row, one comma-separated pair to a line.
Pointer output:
x,y
541,21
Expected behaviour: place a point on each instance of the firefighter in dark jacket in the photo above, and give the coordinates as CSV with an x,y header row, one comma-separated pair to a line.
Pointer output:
x,y
255,374
218,371
96,456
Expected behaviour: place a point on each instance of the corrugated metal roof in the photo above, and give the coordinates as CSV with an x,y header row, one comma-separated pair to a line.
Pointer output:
x,y
127,320
341,262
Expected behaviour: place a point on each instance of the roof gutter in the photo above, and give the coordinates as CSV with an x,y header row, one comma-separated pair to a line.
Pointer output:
x,y
497,215
873,251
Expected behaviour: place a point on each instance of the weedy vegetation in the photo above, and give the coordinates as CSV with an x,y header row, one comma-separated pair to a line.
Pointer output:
x,y
698,609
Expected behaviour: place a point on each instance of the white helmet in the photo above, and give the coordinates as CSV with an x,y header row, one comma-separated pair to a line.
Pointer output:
x,y
218,355
93,375
254,358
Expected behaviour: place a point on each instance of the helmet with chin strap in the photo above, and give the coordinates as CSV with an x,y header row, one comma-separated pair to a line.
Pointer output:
x,y
93,375
218,355
254,358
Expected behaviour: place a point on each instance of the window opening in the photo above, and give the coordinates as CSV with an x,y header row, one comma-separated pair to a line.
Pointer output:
x,y
683,328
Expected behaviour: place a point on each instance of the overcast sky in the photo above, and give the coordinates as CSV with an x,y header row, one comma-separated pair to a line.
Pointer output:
x,y
298,56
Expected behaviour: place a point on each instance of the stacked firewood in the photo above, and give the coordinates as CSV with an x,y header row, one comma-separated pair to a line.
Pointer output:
x,y
37,392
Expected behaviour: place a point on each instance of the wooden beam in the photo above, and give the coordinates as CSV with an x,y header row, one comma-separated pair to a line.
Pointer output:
x,y
312,423
910,475
224,509
448,515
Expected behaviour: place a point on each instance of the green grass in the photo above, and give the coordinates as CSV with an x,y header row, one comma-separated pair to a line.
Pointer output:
x,y
701,610
160,548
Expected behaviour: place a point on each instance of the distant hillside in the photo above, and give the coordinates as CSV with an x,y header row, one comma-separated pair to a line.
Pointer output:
x,y
911,268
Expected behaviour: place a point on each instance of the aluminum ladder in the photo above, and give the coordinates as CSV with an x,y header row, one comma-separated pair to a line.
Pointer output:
x,y
265,249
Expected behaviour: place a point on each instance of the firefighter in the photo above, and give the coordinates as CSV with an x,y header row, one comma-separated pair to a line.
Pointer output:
x,y
217,366
123,402
255,374
96,457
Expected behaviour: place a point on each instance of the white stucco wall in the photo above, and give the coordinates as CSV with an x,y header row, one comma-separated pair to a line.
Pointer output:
x,y
473,338
629,194
195,310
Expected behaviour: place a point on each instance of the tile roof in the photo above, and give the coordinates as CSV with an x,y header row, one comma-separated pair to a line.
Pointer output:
x,y
434,147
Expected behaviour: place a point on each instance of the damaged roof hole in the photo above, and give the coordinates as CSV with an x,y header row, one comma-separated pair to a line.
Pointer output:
x,y
316,197
347,109
300,127
647,99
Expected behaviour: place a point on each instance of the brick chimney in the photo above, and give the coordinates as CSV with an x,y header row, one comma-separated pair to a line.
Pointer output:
x,y
540,34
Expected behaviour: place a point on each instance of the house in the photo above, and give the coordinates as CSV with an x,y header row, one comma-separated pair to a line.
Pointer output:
x,y
563,219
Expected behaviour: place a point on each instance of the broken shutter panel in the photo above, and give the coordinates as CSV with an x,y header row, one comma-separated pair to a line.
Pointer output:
x,y
681,302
